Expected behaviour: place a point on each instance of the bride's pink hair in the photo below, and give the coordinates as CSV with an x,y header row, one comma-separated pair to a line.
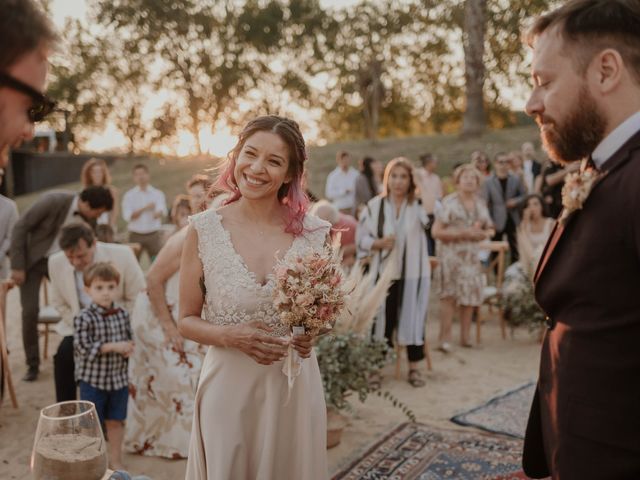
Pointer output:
x,y
291,194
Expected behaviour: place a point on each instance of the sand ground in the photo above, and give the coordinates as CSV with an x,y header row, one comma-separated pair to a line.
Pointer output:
x,y
460,380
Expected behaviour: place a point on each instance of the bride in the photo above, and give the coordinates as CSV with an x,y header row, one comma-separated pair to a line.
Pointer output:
x,y
243,426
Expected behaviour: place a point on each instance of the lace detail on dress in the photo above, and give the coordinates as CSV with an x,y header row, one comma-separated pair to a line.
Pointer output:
x,y
233,294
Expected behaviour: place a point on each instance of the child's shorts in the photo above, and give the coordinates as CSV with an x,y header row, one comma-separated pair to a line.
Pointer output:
x,y
110,404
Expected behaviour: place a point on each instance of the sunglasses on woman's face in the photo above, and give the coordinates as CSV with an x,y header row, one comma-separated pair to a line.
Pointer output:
x,y
41,105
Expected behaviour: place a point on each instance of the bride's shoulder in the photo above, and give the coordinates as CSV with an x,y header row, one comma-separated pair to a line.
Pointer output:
x,y
205,221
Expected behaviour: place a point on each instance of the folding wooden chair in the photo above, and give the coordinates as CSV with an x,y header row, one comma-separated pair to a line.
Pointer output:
x,y
47,317
492,293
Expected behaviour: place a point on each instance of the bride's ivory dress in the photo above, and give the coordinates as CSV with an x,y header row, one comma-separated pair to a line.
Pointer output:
x,y
243,426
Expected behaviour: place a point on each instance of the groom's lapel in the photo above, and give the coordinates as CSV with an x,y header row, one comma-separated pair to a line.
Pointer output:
x,y
558,229
618,159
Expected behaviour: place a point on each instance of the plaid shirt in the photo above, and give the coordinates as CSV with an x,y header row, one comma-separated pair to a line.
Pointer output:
x,y
93,327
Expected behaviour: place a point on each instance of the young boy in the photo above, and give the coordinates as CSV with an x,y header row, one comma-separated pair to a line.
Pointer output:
x,y
102,343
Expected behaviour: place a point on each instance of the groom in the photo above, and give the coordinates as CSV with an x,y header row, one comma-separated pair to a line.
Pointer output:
x,y
585,417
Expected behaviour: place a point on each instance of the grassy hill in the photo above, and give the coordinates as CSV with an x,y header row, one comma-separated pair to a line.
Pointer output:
x,y
170,175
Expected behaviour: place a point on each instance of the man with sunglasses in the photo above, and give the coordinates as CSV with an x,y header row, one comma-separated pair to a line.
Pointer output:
x,y
26,38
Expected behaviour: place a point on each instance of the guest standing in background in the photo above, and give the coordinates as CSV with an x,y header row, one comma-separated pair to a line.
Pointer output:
x,y
164,369
480,160
8,218
368,182
516,166
143,208
550,185
504,192
95,172
461,225
341,184
430,190
35,238
180,212
531,167
81,250
391,228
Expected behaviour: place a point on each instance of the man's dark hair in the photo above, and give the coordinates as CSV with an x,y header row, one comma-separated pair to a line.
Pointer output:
x,y
72,233
140,166
97,197
590,26
24,27
426,159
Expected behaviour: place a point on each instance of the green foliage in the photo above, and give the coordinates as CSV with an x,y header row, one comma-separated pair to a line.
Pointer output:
x,y
518,302
369,70
347,361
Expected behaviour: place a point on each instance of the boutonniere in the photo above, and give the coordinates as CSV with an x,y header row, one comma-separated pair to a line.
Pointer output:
x,y
576,190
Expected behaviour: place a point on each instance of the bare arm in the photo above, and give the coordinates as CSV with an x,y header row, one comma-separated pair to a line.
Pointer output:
x,y
558,177
250,338
164,267
444,233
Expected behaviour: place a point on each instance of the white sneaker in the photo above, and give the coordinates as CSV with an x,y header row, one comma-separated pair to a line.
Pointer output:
x,y
445,347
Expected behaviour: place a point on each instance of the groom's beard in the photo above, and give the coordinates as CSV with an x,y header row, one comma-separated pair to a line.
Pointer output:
x,y
579,134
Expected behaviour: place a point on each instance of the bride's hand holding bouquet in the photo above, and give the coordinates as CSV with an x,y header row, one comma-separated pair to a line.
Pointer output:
x,y
309,296
254,339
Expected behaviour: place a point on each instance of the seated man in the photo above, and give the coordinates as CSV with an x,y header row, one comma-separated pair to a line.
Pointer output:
x,y
80,250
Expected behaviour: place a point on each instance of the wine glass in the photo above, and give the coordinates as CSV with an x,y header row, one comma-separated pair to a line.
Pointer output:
x,y
69,443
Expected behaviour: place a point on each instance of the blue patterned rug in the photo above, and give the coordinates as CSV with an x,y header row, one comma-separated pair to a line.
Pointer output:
x,y
414,451
506,414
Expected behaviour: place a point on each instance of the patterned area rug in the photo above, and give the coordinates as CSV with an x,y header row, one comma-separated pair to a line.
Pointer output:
x,y
506,414
414,451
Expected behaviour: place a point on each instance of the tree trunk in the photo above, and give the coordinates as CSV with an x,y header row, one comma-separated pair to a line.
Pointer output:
x,y
372,91
474,121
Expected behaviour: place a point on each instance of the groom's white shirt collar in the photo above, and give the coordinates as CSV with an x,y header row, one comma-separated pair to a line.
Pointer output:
x,y
616,139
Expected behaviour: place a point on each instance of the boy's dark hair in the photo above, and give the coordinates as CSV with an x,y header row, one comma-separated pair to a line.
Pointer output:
x,y
24,27
140,166
72,233
590,26
97,197
104,271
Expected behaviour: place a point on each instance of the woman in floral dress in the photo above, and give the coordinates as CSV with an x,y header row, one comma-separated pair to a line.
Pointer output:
x,y
462,224
164,368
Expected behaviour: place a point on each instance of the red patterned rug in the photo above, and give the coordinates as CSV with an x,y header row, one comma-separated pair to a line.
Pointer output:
x,y
414,451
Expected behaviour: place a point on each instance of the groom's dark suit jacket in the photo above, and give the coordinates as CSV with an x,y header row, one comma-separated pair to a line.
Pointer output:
x,y
585,418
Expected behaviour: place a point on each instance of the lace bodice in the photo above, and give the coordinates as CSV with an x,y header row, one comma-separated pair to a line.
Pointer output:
x,y
233,293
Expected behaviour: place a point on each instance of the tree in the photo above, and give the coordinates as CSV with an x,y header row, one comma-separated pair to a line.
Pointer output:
x,y
206,48
475,13
78,78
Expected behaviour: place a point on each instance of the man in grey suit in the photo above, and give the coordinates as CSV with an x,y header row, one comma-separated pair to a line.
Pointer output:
x,y
34,239
504,193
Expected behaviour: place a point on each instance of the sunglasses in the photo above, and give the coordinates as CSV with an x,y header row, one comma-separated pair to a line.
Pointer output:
x,y
41,104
